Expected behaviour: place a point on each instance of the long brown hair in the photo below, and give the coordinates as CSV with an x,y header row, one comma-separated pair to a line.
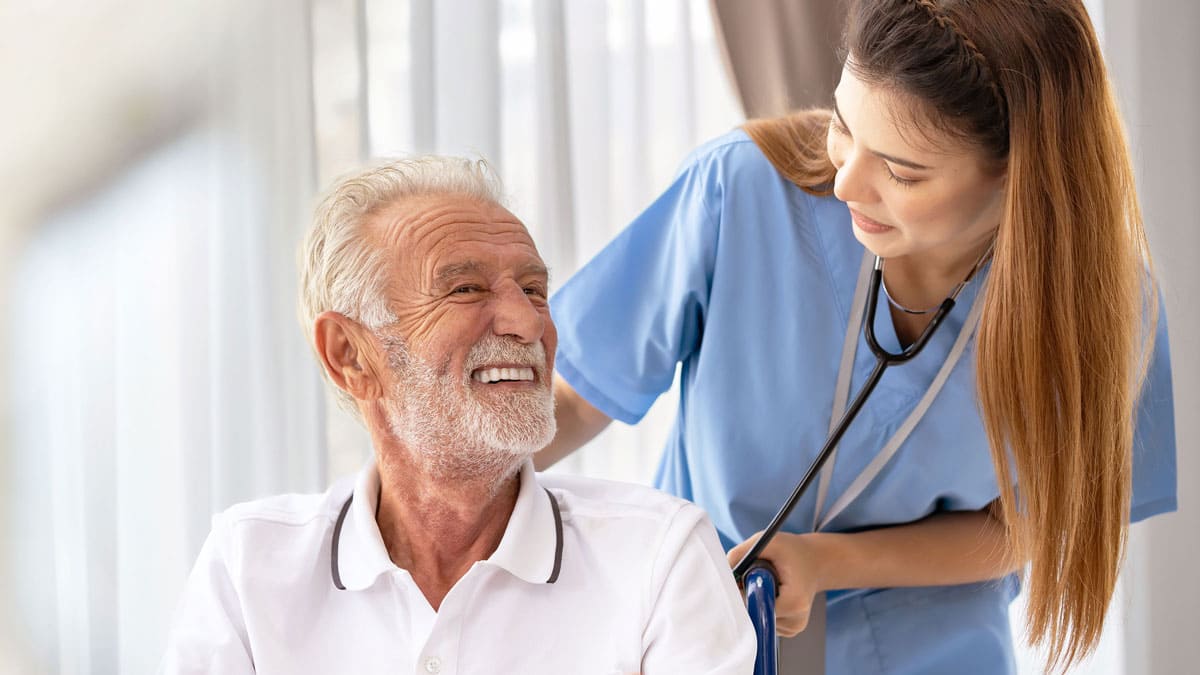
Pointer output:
x,y
1063,343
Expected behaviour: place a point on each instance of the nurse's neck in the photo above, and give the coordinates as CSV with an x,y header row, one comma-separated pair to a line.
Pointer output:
x,y
921,282
924,280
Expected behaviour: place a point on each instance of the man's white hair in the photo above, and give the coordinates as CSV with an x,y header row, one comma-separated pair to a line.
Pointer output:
x,y
342,269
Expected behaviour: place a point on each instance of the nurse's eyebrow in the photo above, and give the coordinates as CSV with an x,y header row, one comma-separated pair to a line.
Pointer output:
x,y
894,160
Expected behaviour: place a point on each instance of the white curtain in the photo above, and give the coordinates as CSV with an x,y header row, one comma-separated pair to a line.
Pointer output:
x,y
1154,58
157,372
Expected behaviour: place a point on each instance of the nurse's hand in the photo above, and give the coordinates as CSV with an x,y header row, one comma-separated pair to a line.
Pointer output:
x,y
799,563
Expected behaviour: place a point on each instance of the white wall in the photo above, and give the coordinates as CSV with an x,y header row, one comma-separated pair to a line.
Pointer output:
x,y
1155,60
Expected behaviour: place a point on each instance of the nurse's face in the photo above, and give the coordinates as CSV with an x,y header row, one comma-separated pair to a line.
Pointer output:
x,y
911,192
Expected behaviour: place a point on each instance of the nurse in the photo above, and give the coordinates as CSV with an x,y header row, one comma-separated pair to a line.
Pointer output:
x,y
962,133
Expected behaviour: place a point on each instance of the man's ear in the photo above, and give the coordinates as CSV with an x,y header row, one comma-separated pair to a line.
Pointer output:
x,y
345,350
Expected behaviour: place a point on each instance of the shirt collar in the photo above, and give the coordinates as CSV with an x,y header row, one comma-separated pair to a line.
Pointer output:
x,y
359,555
531,548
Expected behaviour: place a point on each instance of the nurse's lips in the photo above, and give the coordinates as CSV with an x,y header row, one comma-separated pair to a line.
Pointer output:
x,y
867,225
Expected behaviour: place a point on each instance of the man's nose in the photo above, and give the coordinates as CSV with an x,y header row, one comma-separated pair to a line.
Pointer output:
x,y
516,316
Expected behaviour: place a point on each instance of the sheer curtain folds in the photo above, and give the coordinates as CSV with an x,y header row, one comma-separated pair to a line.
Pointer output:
x,y
158,374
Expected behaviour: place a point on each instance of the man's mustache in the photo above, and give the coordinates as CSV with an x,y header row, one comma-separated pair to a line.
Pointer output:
x,y
493,349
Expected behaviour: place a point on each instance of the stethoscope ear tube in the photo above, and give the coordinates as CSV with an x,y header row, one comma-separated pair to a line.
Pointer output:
x,y
911,351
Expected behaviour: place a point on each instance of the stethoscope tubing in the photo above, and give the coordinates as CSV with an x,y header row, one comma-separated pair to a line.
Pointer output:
x,y
883,359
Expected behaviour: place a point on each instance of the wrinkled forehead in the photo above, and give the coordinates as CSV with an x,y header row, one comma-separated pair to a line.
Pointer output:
x,y
421,235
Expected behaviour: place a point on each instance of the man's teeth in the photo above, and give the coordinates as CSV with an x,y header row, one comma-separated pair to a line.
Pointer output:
x,y
489,375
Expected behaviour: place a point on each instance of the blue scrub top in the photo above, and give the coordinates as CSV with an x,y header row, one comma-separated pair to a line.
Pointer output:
x,y
748,282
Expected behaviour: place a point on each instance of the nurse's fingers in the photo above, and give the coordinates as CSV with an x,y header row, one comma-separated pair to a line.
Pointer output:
x,y
791,625
793,560
792,609
737,552
786,553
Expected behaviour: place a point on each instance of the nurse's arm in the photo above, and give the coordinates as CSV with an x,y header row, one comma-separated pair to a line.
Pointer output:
x,y
943,549
946,548
578,423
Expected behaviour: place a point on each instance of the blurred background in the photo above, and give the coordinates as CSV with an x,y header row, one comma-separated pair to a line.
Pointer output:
x,y
159,164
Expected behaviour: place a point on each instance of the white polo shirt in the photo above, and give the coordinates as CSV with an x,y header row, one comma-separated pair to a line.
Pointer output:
x,y
590,577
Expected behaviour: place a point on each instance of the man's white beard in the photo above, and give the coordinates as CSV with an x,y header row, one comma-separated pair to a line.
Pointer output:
x,y
457,434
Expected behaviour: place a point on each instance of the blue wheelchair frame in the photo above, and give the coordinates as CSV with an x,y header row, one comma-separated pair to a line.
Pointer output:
x,y
760,591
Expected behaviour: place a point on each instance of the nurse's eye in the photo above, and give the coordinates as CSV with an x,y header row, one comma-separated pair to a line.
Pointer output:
x,y
906,182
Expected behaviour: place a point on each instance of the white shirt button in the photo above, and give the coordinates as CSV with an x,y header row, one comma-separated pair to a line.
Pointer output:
x,y
433,665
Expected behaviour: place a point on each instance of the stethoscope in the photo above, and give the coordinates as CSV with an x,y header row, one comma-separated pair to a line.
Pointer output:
x,y
883,360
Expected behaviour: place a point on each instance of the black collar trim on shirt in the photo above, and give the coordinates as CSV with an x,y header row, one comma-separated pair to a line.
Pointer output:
x,y
337,537
558,538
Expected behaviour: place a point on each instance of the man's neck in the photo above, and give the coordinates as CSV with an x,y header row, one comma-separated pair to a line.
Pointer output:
x,y
436,523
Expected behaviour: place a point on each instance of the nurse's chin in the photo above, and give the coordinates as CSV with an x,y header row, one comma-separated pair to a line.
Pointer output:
x,y
885,245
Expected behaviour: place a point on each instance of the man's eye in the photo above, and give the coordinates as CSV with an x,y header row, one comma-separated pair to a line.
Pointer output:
x,y
535,290
464,290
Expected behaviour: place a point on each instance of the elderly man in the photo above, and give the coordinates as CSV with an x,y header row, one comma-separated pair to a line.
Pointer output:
x,y
426,302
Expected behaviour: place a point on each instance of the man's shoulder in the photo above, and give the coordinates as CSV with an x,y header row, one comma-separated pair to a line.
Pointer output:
x,y
607,499
289,510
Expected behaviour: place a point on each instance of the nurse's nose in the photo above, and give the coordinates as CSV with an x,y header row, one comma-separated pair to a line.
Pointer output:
x,y
851,182
515,315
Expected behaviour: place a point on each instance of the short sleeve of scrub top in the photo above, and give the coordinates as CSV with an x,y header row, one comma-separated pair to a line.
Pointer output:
x,y
747,282
1154,432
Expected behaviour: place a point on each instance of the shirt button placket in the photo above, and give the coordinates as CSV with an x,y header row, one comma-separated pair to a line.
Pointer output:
x,y
433,665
